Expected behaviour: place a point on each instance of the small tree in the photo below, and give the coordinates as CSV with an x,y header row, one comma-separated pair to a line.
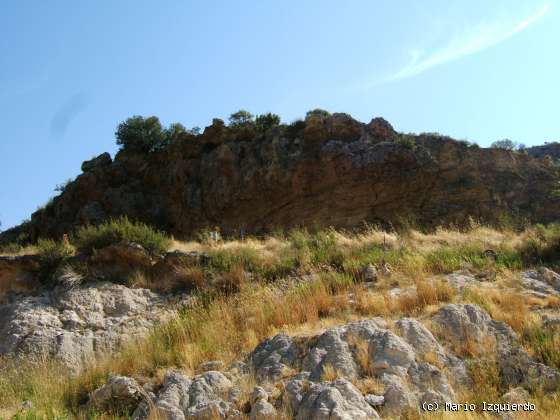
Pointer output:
x,y
317,113
240,118
265,121
140,134
505,144
172,134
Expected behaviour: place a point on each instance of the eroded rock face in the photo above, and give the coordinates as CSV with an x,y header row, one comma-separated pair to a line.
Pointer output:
x,y
381,130
396,360
75,325
103,160
541,283
261,409
17,273
408,361
550,149
338,399
332,172
470,322
119,391
201,397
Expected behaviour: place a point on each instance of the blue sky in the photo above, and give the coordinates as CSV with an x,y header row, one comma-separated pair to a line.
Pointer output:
x,y
71,71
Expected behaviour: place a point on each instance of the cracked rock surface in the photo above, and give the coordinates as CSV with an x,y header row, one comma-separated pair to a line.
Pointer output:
x,y
75,325
410,364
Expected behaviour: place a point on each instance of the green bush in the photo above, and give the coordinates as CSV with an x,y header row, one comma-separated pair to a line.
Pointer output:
x,y
505,144
221,261
172,134
140,134
265,121
240,118
542,246
317,249
545,343
405,140
112,232
52,254
317,113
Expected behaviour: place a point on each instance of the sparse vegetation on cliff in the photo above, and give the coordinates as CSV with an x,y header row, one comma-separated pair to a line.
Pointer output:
x,y
174,178
89,238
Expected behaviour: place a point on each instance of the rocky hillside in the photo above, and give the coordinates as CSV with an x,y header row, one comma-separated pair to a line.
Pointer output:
x,y
325,171
548,149
327,325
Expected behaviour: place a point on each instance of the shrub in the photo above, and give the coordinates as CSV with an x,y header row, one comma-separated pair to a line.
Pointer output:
x,y
240,118
52,254
405,140
543,343
195,131
171,134
112,232
265,121
140,134
17,242
231,281
505,144
317,113
542,246
318,249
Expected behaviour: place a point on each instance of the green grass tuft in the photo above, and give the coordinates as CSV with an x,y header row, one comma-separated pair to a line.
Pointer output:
x,y
119,230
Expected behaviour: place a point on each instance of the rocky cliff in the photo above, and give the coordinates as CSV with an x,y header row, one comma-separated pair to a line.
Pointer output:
x,y
547,149
330,171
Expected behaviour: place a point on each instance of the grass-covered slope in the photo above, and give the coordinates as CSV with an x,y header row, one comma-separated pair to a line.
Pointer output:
x,y
299,283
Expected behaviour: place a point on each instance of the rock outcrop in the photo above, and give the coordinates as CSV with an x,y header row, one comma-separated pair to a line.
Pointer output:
x,y
547,149
294,374
17,273
338,399
200,397
331,171
74,326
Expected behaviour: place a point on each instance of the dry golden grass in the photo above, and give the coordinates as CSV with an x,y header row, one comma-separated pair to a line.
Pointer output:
x,y
488,237
426,294
433,358
369,385
329,373
553,302
360,348
231,281
467,346
181,277
247,310
511,307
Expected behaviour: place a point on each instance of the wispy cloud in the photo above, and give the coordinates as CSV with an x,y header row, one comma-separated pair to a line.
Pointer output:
x,y
476,39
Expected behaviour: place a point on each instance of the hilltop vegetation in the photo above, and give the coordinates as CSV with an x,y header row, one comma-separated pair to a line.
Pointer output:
x,y
257,174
